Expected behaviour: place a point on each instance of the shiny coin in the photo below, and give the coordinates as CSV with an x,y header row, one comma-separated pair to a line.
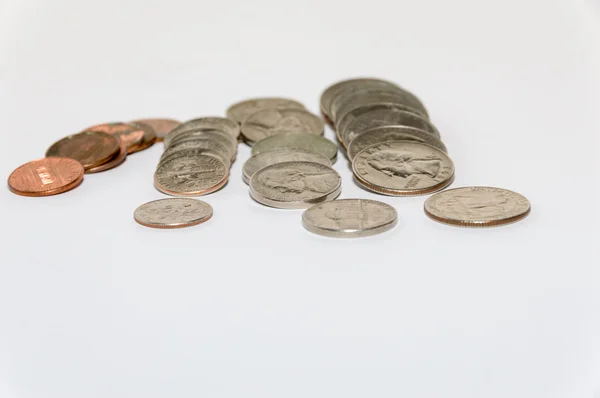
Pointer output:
x,y
90,148
161,127
268,158
270,122
191,152
111,164
212,135
173,213
403,168
350,218
45,177
197,146
356,99
195,175
307,142
149,136
130,135
477,207
223,124
295,185
241,110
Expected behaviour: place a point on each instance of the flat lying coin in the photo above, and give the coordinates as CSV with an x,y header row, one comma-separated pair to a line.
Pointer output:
x,y
350,218
161,127
268,158
226,125
89,148
191,175
173,213
477,207
295,185
403,168
45,177
307,142
130,135
270,122
241,110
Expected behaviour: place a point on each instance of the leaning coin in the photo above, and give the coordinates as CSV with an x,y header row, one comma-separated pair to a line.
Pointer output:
x,y
268,158
90,148
128,134
45,177
307,142
173,213
241,110
111,164
403,168
295,185
350,218
185,153
195,175
270,122
477,207
198,146
149,136
224,124
216,135
161,127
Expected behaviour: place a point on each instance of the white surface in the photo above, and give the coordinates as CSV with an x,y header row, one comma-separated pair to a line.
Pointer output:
x,y
252,305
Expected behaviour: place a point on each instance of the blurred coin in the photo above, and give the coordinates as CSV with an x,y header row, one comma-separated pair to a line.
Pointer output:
x,y
281,155
130,135
344,104
161,127
111,164
226,125
241,110
173,213
90,148
195,175
149,137
215,135
270,122
45,177
307,142
198,145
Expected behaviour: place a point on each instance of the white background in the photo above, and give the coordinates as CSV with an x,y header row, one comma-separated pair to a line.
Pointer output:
x,y
250,304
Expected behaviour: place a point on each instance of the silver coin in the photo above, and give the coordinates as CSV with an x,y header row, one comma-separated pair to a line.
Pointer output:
x,y
403,168
295,185
173,213
197,146
213,135
210,122
307,142
345,104
195,175
350,218
241,110
191,152
331,92
270,122
392,133
268,158
477,207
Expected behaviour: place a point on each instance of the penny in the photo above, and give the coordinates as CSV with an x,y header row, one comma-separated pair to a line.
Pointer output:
x,y
149,137
356,99
161,127
477,207
392,133
45,177
224,139
195,175
111,164
307,142
241,110
132,136
350,218
90,148
173,213
295,185
270,122
403,168
197,146
226,125
268,158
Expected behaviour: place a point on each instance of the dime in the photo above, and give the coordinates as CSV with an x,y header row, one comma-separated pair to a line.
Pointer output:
x,y
191,152
241,110
90,148
197,146
45,177
281,155
226,125
392,133
477,207
402,168
173,213
350,218
111,164
132,136
225,141
191,175
269,122
344,104
161,127
295,185
149,136
307,142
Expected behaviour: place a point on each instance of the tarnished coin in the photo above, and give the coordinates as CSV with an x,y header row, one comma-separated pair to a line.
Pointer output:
x,y
191,175
161,127
356,99
45,177
307,142
392,133
295,185
268,158
211,135
270,122
241,110
403,168
197,146
90,148
130,135
226,125
173,213
111,164
350,218
149,136
477,207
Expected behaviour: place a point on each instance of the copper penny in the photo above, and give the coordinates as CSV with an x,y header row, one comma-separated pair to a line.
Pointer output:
x,y
90,148
132,136
112,163
45,177
161,127
149,136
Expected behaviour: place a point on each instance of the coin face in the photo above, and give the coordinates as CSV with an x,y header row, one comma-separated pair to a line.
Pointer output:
x,y
161,127
191,152
173,213
331,92
130,135
477,207
349,218
89,148
295,185
45,177
226,125
270,122
149,137
356,99
307,142
111,164
268,158
402,168
241,110
212,141
195,175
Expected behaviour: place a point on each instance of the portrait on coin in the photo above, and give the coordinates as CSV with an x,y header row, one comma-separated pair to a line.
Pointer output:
x,y
476,205
404,164
297,182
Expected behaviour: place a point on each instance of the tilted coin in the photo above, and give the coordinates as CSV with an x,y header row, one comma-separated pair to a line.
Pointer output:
x,y
477,207
197,146
191,152
295,185
264,159
392,133
173,213
241,110
225,140
403,168
224,124
350,218
130,135
270,122
161,127
111,164
90,148
45,177
307,142
195,175
149,136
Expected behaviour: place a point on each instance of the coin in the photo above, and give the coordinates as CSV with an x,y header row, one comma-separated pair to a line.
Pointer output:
x,y
149,137
269,122
45,177
90,148
197,146
350,218
356,99
132,136
226,125
111,164
295,185
241,110
402,168
477,207
191,152
281,155
307,142
392,133
195,175
173,213
161,127
225,141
